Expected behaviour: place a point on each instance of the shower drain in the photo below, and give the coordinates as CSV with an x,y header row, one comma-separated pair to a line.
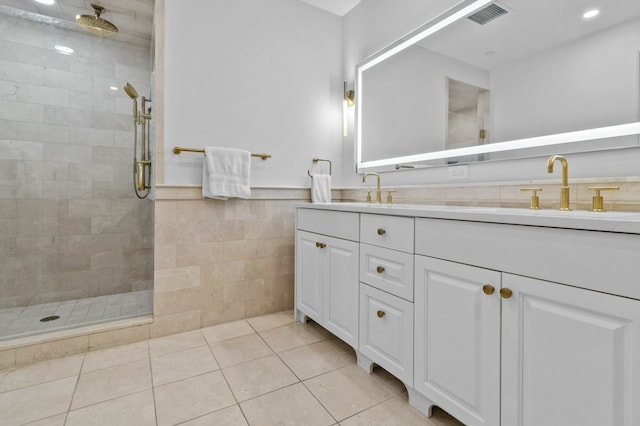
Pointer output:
x,y
51,318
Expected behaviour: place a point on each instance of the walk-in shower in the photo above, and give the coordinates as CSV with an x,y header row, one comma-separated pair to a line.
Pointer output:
x,y
76,244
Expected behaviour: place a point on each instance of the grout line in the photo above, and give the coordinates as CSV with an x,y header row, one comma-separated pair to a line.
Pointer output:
x,y
75,388
153,385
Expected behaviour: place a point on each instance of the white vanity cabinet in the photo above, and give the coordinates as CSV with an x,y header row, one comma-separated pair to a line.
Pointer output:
x,y
494,347
569,356
386,294
457,339
327,271
517,320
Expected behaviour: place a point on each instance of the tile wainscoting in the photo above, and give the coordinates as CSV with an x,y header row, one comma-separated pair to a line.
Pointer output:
x,y
508,194
219,261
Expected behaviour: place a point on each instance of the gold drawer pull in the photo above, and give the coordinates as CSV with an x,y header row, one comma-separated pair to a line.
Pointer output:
x,y
321,245
488,289
506,292
380,314
380,269
381,231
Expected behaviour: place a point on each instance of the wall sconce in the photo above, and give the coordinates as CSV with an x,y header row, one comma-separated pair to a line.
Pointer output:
x,y
349,96
348,100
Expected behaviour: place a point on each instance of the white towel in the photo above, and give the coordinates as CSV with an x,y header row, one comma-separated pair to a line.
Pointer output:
x,y
225,173
321,189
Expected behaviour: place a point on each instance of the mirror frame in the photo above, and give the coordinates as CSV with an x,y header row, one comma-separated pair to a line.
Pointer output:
x,y
457,12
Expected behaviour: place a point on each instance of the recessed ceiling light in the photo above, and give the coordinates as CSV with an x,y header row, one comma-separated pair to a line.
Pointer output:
x,y
63,49
590,13
47,2
114,88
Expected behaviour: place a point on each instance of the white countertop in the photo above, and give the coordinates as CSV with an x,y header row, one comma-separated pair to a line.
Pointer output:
x,y
622,222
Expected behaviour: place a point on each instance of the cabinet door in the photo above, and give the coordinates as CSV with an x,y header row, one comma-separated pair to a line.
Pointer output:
x,y
386,332
457,346
309,275
340,313
570,356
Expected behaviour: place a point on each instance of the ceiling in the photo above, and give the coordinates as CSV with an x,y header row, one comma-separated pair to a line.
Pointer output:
x,y
337,7
134,18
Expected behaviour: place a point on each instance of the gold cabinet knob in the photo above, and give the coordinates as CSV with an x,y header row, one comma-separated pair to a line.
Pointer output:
x,y
321,245
488,289
506,292
381,231
380,269
380,314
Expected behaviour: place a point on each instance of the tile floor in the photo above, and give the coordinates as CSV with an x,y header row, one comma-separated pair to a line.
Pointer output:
x,y
25,320
266,370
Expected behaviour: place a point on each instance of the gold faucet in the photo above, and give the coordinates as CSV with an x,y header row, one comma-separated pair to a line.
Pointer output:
x,y
378,191
564,190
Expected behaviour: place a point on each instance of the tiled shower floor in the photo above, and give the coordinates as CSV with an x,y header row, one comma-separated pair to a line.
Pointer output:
x,y
25,320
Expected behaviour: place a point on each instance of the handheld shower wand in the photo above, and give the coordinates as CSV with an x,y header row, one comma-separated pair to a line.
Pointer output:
x,y
141,178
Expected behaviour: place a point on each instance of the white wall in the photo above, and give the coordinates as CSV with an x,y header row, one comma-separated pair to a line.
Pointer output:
x,y
374,24
265,76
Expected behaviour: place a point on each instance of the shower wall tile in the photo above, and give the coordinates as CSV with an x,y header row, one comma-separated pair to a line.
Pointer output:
x,y
8,170
22,73
31,55
17,111
132,74
94,137
66,116
43,132
8,90
67,80
8,129
92,66
107,120
92,101
22,150
35,94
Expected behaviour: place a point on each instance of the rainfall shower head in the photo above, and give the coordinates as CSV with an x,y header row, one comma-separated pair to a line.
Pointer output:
x,y
95,24
130,90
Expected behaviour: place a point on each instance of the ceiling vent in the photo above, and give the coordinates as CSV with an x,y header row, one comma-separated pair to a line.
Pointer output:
x,y
488,14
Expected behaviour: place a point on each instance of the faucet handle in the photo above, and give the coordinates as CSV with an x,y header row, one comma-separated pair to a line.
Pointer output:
x,y
389,196
535,200
597,204
369,197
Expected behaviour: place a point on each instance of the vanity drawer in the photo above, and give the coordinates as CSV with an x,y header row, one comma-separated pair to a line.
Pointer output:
x,y
336,224
391,232
386,332
387,270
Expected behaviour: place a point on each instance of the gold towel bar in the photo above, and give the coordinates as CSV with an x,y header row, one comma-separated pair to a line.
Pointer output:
x,y
316,159
178,150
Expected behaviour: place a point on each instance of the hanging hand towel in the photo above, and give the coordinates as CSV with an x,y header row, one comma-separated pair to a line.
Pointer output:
x,y
321,189
225,173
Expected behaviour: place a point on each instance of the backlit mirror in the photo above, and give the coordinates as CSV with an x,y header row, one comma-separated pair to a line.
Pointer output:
x,y
499,79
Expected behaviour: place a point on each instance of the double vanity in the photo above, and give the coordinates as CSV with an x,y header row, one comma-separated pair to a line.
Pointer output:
x,y
499,316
